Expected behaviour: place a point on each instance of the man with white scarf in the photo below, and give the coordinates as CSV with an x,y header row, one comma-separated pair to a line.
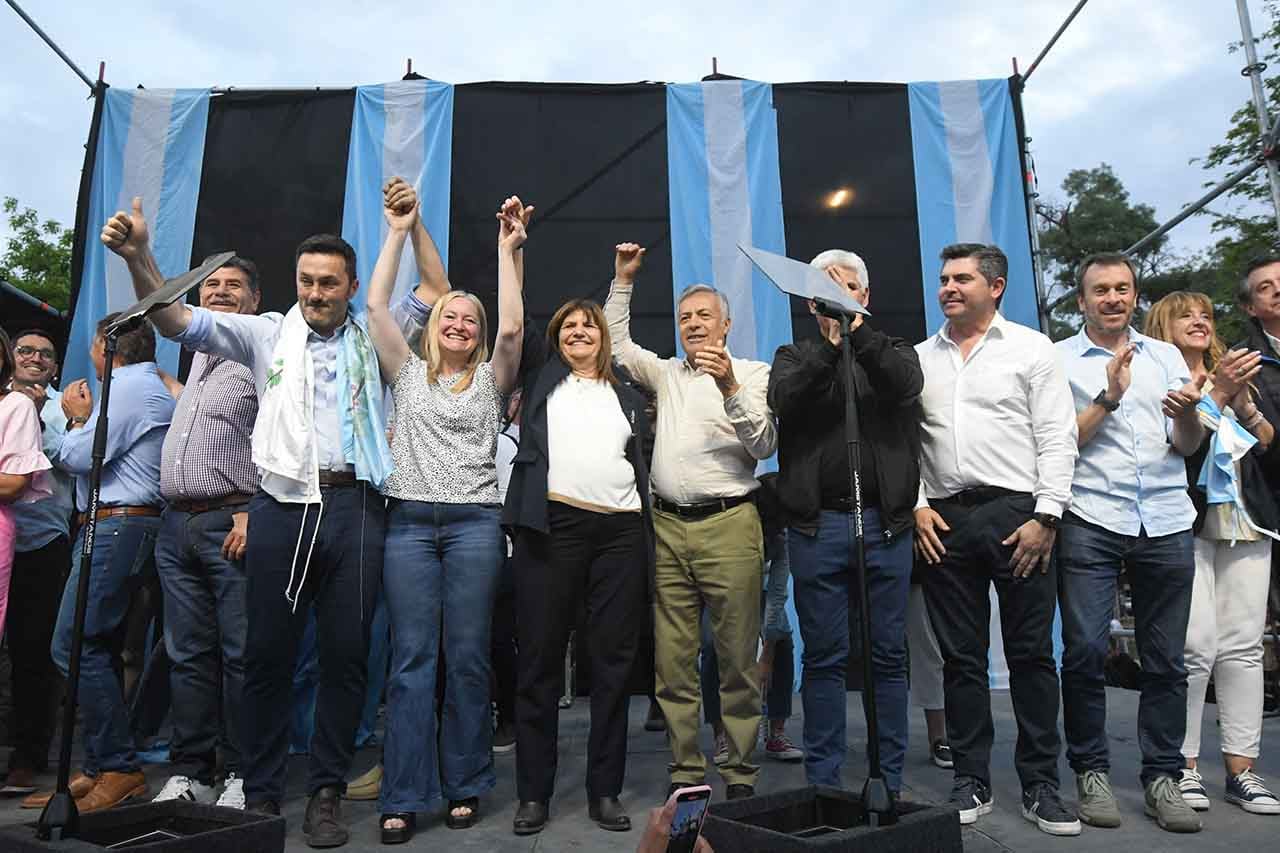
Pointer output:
x,y
320,446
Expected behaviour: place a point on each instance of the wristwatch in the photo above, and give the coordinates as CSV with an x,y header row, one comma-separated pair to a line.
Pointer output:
x,y
1105,402
1046,520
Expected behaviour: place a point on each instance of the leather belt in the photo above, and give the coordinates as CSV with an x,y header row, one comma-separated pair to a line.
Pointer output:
x,y
196,507
701,509
980,495
109,511
838,505
337,479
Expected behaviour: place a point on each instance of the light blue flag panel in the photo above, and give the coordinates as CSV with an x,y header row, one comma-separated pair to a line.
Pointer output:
x,y
402,129
151,145
969,185
722,162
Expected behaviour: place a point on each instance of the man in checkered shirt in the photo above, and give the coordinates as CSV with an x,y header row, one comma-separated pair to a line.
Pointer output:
x,y
207,476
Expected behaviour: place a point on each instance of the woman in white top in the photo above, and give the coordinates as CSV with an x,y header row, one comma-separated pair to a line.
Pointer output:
x,y
578,506
1233,542
444,545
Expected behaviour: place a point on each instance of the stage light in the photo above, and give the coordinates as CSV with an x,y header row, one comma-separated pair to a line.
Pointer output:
x,y
840,197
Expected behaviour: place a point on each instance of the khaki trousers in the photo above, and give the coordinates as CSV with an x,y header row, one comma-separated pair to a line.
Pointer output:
x,y
717,563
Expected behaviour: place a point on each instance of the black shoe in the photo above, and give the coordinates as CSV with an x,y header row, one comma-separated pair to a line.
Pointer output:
x,y
531,817
971,798
655,721
393,835
1042,806
323,823
267,807
608,814
739,792
940,753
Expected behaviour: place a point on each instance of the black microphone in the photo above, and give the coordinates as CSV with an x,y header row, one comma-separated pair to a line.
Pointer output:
x,y
834,310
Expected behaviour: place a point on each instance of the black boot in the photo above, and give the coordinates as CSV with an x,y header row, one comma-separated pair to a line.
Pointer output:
x,y
609,814
531,817
323,824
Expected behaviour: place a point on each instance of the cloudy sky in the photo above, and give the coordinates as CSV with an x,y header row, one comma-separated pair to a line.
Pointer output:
x,y
1142,85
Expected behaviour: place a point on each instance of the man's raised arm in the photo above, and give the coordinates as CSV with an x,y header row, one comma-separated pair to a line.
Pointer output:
x,y
127,235
644,365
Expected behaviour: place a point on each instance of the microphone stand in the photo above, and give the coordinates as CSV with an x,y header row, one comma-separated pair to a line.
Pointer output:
x,y
60,818
878,803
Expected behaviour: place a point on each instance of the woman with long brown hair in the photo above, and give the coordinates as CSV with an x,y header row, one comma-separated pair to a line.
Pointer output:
x,y
1233,542
578,506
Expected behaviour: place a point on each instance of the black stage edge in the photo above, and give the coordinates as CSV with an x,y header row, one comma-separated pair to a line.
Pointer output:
x,y
200,829
769,824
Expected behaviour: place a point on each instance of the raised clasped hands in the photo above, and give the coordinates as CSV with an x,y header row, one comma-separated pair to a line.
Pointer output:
x,y
513,223
126,234
400,205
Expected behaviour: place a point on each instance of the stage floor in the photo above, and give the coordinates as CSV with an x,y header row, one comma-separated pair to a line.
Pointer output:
x,y
1226,828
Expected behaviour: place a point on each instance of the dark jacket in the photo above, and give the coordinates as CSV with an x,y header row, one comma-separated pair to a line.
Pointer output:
x,y
1267,397
541,370
806,393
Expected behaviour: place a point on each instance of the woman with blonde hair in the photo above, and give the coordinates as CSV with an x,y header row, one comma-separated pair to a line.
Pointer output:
x,y
578,506
1236,521
444,543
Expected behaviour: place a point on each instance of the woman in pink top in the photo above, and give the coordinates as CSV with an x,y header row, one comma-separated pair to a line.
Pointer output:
x,y
23,465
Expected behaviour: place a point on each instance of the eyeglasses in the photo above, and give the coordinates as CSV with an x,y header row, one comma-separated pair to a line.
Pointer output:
x,y
26,351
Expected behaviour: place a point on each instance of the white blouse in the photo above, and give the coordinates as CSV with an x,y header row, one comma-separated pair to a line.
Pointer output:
x,y
587,435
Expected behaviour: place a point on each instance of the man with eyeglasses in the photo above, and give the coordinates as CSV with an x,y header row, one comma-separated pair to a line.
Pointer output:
x,y
40,563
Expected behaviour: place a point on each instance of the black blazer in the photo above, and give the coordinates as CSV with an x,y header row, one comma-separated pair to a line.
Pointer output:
x,y
541,370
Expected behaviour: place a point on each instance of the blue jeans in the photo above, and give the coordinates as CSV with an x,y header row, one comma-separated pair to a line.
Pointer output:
x,y
123,547
440,574
822,570
204,635
1160,570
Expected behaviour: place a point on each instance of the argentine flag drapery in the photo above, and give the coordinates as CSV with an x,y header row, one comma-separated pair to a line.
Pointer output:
x,y
969,185
151,145
722,162
405,130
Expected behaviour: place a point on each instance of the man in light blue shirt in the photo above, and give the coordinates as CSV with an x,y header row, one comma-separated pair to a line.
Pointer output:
x,y
40,563
128,517
1136,416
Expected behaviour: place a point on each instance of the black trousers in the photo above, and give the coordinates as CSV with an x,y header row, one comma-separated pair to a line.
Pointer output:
x,y
957,595
35,591
596,558
342,581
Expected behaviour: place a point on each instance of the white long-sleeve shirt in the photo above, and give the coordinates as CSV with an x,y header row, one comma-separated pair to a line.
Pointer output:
x,y
706,445
1003,417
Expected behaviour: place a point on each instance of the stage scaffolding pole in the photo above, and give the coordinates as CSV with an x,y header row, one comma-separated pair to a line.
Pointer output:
x,y
1254,72
13,4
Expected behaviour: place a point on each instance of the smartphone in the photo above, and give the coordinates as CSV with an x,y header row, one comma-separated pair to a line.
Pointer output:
x,y
686,826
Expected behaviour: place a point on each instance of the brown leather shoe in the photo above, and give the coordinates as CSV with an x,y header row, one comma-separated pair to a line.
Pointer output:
x,y
112,789
79,786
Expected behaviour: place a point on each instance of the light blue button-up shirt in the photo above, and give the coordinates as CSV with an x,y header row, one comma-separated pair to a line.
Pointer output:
x,y
40,522
1129,477
141,408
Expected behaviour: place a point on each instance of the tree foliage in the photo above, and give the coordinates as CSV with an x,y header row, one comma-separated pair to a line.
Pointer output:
x,y
37,258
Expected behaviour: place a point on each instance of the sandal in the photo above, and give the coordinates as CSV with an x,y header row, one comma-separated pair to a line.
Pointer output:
x,y
398,834
462,821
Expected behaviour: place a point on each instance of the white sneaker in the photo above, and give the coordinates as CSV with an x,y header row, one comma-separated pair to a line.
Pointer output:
x,y
233,794
1191,785
182,788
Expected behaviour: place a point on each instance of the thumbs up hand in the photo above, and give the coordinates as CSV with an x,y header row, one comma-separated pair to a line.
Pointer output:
x,y
126,234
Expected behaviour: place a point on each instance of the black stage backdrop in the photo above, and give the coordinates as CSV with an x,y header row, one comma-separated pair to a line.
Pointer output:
x,y
592,158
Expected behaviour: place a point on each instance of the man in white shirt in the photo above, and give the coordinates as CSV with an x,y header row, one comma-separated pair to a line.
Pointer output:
x,y
714,424
1129,509
998,447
